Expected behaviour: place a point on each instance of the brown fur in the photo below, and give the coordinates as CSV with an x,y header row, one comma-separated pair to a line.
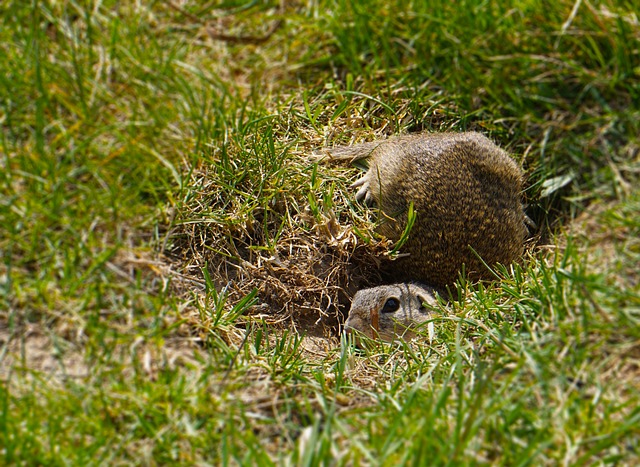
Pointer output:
x,y
466,195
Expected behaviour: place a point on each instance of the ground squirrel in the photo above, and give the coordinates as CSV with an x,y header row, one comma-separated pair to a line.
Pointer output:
x,y
465,193
388,311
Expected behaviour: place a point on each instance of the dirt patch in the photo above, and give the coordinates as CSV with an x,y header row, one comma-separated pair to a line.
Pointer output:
x,y
34,351
28,348
305,282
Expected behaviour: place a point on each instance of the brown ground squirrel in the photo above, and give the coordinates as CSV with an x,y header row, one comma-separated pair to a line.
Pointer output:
x,y
466,195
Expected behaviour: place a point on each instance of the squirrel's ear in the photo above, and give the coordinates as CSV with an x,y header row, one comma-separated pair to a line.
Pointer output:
x,y
422,300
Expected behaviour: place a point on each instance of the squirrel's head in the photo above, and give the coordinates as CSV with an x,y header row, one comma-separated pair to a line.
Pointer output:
x,y
390,312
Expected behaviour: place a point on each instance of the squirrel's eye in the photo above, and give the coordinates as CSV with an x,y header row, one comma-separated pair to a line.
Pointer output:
x,y
391,305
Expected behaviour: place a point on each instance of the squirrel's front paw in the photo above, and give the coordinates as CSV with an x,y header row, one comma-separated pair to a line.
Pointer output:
x,y
364,193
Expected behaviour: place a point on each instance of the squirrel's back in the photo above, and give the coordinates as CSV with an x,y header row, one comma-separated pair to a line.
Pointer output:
x,y
465,192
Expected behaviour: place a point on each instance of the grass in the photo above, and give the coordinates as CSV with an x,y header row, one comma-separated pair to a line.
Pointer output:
x,y
174,264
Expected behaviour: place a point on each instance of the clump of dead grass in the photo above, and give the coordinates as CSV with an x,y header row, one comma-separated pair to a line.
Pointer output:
x,y
304,265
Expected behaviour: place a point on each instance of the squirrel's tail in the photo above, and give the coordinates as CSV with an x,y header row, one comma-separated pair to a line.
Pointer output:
x,y
348,153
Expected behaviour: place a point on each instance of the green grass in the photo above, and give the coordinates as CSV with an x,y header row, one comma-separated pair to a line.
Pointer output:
x,y
171,259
